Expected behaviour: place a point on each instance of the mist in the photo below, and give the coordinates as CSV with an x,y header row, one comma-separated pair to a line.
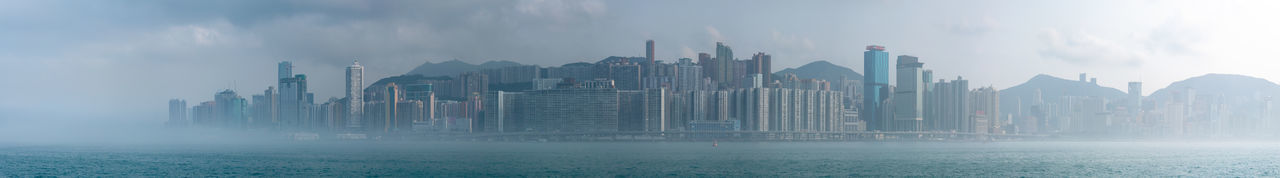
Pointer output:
x,y
592,88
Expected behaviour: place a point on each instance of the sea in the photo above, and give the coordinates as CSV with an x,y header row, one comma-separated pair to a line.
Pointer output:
x,y
644,159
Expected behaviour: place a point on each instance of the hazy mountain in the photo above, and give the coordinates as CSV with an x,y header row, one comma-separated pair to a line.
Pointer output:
x,y
1230,86
453,67
407,78
1051,90
821,70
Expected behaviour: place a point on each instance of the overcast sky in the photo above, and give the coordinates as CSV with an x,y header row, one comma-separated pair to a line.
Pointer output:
x,y
125,59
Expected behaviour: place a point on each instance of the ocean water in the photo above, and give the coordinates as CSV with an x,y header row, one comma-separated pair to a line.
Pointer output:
x,y
645,159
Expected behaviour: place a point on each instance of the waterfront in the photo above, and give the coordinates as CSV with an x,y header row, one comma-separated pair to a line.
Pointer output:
x,y
506,159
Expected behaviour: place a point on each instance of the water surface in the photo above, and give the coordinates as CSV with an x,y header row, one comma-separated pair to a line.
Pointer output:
x,y
1004,159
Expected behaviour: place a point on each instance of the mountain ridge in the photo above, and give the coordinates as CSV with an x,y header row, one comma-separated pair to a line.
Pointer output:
x,y
821,69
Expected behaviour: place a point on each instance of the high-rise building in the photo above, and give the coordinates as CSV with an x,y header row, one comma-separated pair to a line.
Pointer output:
x,y
285,69
471,84
709,67
408,112
625,75
425,93
688,75
334,114
984,104
760,64
512,74
875,87
177,113
909,95
930,106
355,95
500,112
656,109
650,67
387,113
264,109
204,114
294,102
579,109
952,105
725,64
230,110
1135,96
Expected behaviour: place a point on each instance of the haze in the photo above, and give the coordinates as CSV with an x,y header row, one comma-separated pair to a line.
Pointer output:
x,y
118,62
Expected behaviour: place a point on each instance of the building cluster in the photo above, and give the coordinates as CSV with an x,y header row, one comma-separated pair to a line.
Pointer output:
x,y
644,94
614,94
1183,112
917,104
712,93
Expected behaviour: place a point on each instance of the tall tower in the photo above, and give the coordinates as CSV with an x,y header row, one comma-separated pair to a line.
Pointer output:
x,y
355,95
285,70
177,113
390,101
876,79
724,62
650,69
760,63
709,67
1135,96
908,96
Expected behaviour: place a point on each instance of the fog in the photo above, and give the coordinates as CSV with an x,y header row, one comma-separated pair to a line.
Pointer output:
x,y
592,88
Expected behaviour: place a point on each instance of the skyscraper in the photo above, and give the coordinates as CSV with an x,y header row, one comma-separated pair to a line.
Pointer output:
x,y
390,101
177,113
264,108
930,97
709,67
760,63
875,83
688,75
650,68
952,105
230,110
984,106
626,75
294,102
724,62
285,69
1135,96
909,95
355,95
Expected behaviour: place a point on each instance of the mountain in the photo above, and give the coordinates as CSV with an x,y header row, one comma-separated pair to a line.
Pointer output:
x,y
453,67
407,78
821,70
1051,90
1228,86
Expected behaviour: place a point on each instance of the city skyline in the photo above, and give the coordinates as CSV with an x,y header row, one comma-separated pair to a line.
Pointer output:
x,y
655,88
968,39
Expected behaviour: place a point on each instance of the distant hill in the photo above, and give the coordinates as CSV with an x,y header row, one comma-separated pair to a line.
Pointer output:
x,y
1051,90
616,59
821,70
453,67
408,78
1229,86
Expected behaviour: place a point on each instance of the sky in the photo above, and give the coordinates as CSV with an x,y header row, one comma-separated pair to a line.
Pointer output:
x,y
110,60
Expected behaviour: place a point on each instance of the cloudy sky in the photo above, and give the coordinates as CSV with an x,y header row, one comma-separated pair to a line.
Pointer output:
x,y
125,59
